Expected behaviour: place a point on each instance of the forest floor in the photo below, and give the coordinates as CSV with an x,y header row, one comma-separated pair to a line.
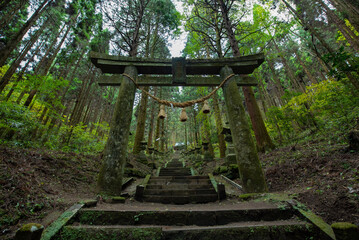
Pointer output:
x,y
38,185
323,176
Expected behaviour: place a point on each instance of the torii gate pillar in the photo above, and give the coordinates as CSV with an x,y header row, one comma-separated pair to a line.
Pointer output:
x,y
115,153
249,166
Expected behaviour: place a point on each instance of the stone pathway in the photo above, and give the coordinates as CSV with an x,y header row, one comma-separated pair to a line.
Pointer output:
x,y
176,185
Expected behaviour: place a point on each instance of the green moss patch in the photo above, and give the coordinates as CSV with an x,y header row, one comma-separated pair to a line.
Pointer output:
x,y
131,172
230,171
74,233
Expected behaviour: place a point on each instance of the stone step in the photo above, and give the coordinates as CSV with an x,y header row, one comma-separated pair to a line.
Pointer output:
x,y
175,174
174,165
182,217
179,186
180,177
289,230
179,180
178,192
175,170
200,198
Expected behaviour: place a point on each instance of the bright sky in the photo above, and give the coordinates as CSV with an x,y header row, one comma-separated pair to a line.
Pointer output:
x,y
177,45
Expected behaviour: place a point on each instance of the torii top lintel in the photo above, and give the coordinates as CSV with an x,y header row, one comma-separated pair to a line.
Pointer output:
x,y
176,66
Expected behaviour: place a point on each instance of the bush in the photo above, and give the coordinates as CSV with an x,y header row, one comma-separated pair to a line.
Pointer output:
x,y
16,120
329,106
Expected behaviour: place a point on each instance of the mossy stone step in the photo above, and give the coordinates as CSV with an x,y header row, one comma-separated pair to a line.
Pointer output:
x,y
180,180
289,230
179,177
179,192
181,217
179,186
203,198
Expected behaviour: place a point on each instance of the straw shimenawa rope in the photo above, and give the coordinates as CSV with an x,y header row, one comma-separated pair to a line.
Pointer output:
x,y
183,104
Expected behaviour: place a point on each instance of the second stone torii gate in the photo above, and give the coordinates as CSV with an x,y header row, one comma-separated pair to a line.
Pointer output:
x,y
167,72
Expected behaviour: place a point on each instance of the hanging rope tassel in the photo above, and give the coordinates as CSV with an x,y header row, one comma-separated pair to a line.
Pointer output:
x,y
205,108
183,116
162,113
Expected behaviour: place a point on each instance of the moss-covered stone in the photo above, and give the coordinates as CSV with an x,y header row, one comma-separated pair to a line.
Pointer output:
x,y
114,199
89,203
248,196
316,220
30,231
115,153
132,172
250,169
52,231
118,199
345,230
77,233
230,171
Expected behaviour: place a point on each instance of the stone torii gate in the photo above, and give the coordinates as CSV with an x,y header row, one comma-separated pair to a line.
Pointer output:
x,y
177,72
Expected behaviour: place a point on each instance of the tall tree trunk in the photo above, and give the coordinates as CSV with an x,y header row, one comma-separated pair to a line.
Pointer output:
x,y
152,121
46,67
14,42
349,35
296,85
10,72
141,122
349,9
11,11
157,133
315,33
219,127
162,134
22,72
306,70
264,142
277,83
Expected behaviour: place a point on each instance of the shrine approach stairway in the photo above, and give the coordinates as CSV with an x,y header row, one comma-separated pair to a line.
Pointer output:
x,y
175,184
158,218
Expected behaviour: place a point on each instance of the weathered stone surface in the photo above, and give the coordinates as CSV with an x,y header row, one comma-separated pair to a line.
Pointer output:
x,y
30,231
117,64
115,153
345,230
250,168
115,199
93,233
89,203
146,80
221,191
139,192
52,231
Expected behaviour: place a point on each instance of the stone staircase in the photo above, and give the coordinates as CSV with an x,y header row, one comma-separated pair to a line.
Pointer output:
x,y
176,185
231,219
259,221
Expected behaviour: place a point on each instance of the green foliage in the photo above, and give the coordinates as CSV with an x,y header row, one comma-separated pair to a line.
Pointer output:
x,y
81,140
16,120
20,126
328,106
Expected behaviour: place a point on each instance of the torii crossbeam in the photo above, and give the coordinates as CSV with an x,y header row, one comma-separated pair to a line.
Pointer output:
x,y
176,72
